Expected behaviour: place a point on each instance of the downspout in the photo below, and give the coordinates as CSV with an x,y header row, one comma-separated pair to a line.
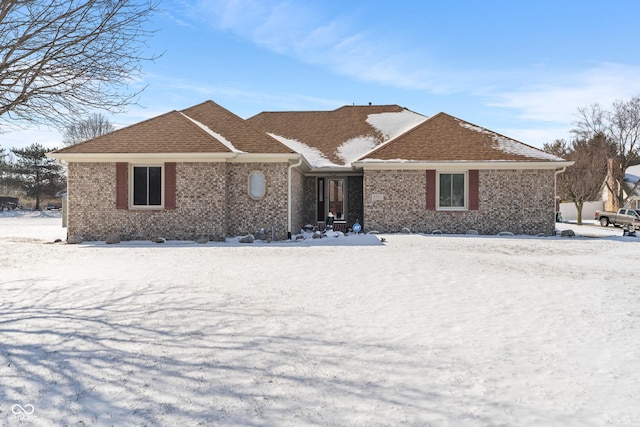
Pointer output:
x,y
555,189
289,203
65,199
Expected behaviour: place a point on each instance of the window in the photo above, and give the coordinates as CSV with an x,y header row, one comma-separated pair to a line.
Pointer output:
x,y
147,186
451,191
257,187
336,198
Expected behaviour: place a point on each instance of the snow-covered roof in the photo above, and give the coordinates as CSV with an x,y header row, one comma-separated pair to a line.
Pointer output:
x,y
511,146
339,137
216,135
327,139
444,138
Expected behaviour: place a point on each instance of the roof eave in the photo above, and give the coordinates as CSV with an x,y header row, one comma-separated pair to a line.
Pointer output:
x,y
458,164
331,170
265,157
175,157
128,157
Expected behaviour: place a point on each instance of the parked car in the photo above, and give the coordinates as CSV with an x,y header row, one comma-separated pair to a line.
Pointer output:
x,y
624,217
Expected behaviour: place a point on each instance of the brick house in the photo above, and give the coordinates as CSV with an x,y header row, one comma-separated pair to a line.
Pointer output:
x,y
204,171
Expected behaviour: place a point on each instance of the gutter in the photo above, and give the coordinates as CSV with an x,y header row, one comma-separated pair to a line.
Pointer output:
x,y
289,202
555,178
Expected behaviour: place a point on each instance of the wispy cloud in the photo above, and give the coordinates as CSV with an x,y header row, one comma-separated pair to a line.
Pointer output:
x,y
558,101
332,40
338,39
231,96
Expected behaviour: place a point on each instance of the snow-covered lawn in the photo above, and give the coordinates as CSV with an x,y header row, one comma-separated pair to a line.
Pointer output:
x,y
418,330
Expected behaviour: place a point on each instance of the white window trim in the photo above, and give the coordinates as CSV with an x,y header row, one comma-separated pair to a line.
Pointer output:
x,y
466,191
264,190
146,207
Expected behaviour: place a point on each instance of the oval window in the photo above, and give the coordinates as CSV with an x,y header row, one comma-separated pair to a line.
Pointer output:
x,y
256,185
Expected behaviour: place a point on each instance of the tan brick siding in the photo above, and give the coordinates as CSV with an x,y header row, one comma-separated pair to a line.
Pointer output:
x,y
246,215
354,199
518,201
309,208
211,200
298,217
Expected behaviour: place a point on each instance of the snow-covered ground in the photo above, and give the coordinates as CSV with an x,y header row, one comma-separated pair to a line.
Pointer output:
x,y
347,331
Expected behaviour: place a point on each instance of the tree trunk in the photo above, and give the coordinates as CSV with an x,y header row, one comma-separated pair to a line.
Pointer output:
x,y
579,205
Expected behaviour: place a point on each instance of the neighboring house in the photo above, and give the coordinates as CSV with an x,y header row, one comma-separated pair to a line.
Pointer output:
x,y
204,171
631,187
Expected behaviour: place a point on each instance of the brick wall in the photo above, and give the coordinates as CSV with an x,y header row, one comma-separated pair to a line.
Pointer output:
x,y
519,201
246,215
309,200
211,200
298,215
354,199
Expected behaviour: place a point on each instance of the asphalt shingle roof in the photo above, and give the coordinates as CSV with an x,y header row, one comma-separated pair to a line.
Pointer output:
x,y
169,133
182,132
210,128
446,138
324,130
235,129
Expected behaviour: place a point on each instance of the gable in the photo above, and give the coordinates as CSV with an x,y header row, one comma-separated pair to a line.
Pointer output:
x,y
220,121
169,133
204,128
447,138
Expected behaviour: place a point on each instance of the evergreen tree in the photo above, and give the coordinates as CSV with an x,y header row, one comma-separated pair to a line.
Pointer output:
x,y
4,170
3,160
36,174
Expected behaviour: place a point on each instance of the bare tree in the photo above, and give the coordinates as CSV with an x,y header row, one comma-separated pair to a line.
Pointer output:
x,y
60,59
94,125
583,181
621,127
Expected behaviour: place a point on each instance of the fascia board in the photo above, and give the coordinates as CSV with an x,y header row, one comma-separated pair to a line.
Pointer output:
x,y
264,157
459,165
128,157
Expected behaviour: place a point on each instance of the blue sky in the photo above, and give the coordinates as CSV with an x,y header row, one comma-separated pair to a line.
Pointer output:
x,y
521,68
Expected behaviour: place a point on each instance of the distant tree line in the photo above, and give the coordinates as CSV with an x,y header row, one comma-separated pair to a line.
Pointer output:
x,y
603,142
29,172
